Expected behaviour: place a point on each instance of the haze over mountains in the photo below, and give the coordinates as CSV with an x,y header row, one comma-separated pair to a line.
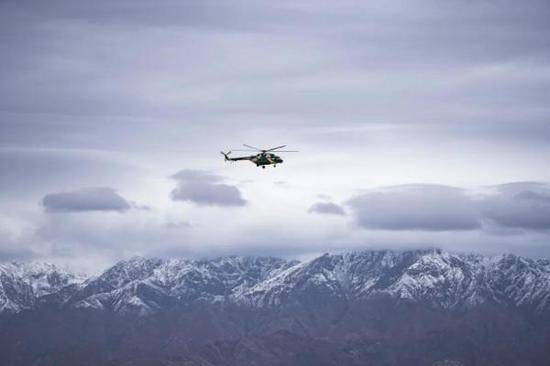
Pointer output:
x,y
370,307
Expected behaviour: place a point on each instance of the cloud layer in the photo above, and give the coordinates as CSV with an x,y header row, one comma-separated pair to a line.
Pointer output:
x,y
205,189
519,205
522,205
85,199
329,208
415,207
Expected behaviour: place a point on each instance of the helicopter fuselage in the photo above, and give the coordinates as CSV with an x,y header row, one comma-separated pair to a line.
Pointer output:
x,y
266,159
261,159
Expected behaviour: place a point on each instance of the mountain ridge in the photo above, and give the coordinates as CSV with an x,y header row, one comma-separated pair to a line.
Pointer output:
x,y
422,307
146,285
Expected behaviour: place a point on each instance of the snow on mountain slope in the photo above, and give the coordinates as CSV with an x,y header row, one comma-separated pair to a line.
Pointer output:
x,y
521,282
432,277
22,284
315,276
144,286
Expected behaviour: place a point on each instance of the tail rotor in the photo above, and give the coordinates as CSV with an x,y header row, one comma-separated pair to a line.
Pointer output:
x,y
225,155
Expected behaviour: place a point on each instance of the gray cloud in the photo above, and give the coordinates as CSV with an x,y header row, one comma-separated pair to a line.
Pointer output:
x,y
86,199
518,205
416,207
524,205
205,189
326,208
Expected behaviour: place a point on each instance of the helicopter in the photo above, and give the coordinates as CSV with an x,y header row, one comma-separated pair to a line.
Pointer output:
x,y
262,157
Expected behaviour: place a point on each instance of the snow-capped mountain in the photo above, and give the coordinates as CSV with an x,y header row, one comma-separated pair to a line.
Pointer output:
x,y
144,286
23,285
432,277
423,307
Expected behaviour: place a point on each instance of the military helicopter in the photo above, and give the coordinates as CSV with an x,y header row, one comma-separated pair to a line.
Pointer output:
x,y
262,157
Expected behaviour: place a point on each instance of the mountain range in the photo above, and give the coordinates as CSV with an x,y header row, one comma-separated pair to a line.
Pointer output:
x,y
421,307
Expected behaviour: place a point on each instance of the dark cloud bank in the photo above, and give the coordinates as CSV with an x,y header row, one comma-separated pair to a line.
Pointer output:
x,y
205,189
522,205
519,205
327,208
86,199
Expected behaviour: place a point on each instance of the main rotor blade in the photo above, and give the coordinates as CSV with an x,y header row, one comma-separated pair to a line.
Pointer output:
x,y
278,151
252,147
249,150
275,148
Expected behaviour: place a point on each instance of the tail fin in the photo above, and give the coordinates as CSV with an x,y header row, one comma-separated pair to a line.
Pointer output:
x,y
225,155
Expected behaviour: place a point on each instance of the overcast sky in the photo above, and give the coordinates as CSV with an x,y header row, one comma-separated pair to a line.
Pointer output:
x,y
419,124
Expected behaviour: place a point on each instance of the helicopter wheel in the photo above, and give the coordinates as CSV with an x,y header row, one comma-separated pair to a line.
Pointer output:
x,y
263,166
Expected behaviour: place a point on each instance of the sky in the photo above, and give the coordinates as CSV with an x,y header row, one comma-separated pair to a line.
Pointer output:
x,y
418,124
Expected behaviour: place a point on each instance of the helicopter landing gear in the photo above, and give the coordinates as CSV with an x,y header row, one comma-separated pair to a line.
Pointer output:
x,y
263,166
